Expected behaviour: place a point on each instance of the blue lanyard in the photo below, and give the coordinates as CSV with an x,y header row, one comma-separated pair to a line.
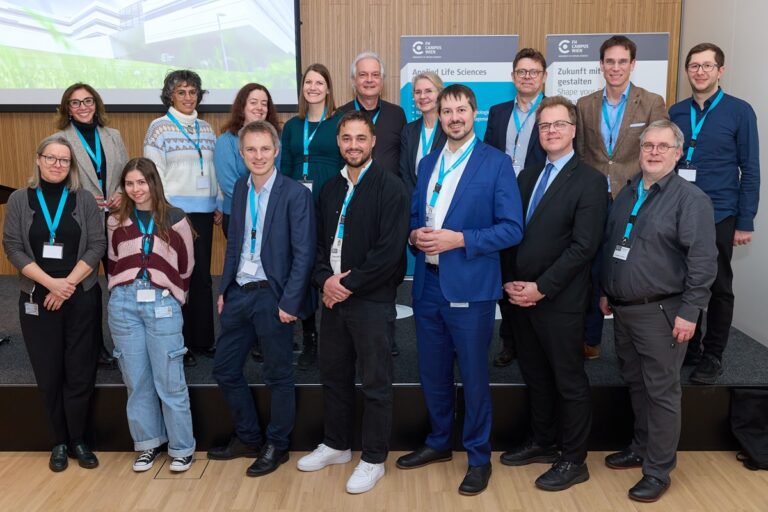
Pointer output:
x,y
52,226
183,131
357,107
95,156
696,127
308,140
518,124
642,195
442,173
340,232
619,113
146,233
426,145
255,198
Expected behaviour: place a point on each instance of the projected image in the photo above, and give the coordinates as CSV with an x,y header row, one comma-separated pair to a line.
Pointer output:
x,y
125,47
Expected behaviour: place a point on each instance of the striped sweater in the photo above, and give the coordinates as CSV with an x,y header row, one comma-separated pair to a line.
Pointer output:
x,y
169,264
178,163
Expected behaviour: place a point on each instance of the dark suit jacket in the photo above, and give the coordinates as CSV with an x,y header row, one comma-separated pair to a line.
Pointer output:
x,y
389,124
496,134
562,237
287,244
409,146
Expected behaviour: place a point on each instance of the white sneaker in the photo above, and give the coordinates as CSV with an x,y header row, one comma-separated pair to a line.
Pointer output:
x,y
364,477
323,456
146,460
179,464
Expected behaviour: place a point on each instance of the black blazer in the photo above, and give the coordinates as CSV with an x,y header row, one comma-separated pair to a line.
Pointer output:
x,y
562,237
496,134
410,138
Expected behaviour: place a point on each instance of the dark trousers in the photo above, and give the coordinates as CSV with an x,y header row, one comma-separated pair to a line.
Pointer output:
x,y
551,356
354,334
63,351
246,315
593,322
225,224
507,326
720,308
198,311
650,360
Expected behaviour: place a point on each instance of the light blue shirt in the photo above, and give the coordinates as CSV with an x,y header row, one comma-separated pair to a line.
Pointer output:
x,y
613,115
518,154
263,199
558,166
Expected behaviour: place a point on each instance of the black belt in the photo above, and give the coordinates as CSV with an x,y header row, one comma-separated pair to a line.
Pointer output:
x,y
434,268
253,285
638,302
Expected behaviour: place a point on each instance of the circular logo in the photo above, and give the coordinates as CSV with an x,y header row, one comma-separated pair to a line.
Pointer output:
x,y
418,47
563,46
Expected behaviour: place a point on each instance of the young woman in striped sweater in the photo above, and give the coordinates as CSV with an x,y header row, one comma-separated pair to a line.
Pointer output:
x,y
151,260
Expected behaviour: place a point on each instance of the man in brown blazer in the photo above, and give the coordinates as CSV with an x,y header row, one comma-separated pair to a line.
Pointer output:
x,y
610,122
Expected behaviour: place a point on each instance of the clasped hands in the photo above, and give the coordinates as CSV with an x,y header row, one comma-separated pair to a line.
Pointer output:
x,y
59,290
435,241
523,293
335,292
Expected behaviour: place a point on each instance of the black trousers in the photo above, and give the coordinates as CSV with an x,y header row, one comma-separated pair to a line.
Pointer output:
x,y
551,356
507,325
354,334
63,351
198,311
720,308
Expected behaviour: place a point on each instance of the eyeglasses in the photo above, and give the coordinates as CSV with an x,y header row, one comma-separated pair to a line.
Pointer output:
x,y
661,148
707,66
183,93
88,102
533,73
557,125
52,160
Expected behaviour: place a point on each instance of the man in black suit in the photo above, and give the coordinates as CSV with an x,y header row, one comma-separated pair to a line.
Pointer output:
x,y
512,129
547,278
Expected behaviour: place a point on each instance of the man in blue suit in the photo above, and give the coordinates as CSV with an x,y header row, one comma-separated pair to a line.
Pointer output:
x,y
465,209
264,289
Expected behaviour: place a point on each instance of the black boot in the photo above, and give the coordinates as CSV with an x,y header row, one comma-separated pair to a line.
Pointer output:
x,y
105,359
308,356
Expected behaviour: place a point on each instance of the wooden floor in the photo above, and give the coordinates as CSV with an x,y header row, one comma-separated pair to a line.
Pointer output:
x,y
703,481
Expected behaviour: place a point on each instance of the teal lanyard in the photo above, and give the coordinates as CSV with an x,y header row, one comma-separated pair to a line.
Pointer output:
x,y
426,145
696,127
442,173
518,124
184,132
345,204
96,157
146,238
642,195
619,112
52,225
375,117
255,198
308,140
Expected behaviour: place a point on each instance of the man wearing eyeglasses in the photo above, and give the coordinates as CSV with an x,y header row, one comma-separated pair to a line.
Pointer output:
x,y
609,124
659,261
547,279
721,156
511,128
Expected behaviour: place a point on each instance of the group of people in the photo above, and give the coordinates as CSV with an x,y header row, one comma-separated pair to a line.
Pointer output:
x,y
562,214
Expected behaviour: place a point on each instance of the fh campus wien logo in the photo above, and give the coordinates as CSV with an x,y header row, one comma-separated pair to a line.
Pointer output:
x,y
571,47
425,48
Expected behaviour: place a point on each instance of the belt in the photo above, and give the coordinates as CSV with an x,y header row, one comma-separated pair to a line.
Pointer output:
x,y
434,268
253,285
638,302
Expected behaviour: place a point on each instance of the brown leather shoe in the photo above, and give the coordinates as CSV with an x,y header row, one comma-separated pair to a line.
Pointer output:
x,y
591,352
504,358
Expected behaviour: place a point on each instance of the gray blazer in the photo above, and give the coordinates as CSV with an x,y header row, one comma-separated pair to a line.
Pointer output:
x,y
18,220
114,151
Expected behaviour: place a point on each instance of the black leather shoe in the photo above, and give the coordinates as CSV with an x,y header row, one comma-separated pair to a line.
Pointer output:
x,y
422,456
85,457
648,489
562,475
504,358
256,353
530,452
708,370
268,460
189,359
106,360
692,356
209,352
234,449
476,480
308,356
625,459
395,350
59,460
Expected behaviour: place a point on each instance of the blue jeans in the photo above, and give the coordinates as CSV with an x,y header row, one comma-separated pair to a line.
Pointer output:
x,y
150,352
246,315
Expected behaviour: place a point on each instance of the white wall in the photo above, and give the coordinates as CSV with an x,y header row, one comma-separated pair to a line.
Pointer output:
x,y
739,28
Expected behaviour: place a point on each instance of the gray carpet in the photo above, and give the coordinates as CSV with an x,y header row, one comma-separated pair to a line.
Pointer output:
x,y
746,361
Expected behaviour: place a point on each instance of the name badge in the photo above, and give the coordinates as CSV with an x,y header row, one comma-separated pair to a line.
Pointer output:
x,y
145,295
203,182
459,304
53,251
30,308
687,174
307,183
430,221
250,267
163,312
621,252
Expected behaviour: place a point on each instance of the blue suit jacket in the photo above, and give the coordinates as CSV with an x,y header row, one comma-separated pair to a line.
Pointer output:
x,y
496,134
287,244
486,208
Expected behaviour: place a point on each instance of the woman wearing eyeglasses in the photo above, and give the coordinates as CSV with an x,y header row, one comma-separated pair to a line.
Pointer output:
x,y
54,235
100,154
151,261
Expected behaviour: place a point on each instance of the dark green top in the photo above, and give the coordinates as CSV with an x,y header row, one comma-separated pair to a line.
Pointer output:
x,y
324,158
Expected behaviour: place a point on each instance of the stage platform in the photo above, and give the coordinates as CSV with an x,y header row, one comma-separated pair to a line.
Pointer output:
x,y
705,408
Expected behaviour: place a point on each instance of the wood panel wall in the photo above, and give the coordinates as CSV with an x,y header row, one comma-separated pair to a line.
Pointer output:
x,y
334,31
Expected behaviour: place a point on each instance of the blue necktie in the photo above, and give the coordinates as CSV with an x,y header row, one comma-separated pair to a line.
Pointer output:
x,y
539,192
